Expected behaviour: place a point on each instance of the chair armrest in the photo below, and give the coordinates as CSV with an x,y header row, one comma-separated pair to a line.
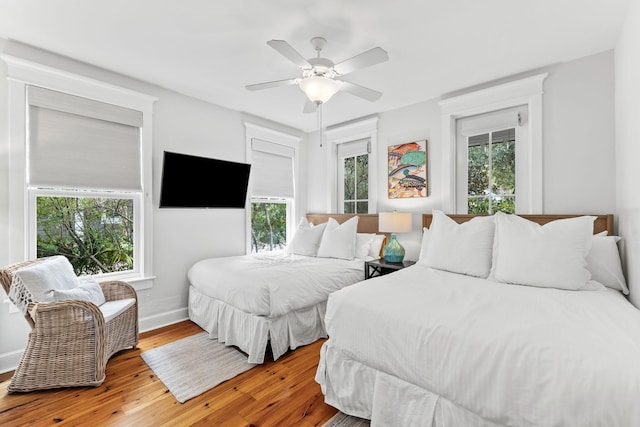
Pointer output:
x,y
67,315
116,289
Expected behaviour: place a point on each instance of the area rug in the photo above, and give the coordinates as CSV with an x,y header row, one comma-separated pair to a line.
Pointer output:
x,y
344,420
193,365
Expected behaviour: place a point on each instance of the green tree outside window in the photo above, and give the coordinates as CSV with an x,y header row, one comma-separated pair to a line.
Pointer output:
x,y
95,234
491,173
268,226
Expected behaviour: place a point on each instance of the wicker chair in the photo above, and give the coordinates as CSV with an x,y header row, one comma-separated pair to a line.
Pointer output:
x,y
70,342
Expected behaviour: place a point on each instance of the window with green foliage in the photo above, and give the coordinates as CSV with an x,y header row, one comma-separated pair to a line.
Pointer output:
x,y
96,234
491,172
268,224
356,184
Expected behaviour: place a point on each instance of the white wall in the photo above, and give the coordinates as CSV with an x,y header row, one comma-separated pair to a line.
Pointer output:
x,y
579,136
181,236
627,102
578,145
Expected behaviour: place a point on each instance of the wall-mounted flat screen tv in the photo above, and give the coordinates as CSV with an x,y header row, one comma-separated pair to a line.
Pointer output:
x,y
201,182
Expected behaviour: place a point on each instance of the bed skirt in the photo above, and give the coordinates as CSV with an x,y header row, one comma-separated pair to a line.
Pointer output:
x,y
362,391
251,333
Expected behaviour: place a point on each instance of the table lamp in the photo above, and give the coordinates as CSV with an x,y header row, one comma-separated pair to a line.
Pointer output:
x,y
394,222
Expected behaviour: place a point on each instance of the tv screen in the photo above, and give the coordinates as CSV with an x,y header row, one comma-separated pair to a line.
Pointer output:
x,y
201,182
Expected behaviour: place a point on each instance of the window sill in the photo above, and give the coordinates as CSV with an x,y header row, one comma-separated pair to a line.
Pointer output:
x,y
139,283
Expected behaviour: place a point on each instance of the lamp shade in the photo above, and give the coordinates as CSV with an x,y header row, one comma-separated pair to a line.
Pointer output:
x,y
319,89
394,222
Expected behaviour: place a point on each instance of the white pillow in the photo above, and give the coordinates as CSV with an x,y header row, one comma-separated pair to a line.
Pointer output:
x,y
424,245
339,240
552,255
460,248
363,245
87,290
376,245
306,238
604,263
41,278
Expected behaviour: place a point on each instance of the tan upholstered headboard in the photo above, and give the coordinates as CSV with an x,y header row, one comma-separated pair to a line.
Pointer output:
x,y
602,222
368,223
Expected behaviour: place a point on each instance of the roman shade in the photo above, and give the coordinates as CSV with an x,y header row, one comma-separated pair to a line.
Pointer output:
x,y
271,169
79,143
488,122
354,148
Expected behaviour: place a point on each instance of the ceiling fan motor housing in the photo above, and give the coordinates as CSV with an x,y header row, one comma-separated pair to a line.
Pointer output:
x,y
321,67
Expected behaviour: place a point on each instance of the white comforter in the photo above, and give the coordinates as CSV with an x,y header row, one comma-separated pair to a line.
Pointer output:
x,y
275,283
512,355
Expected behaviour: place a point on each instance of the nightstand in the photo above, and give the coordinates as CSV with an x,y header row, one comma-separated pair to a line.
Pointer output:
x,y
380,267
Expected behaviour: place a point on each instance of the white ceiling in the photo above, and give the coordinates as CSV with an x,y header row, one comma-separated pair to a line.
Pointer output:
x,y
211,49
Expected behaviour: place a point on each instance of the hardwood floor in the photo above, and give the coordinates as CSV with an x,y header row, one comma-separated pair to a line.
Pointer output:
x,y
280,393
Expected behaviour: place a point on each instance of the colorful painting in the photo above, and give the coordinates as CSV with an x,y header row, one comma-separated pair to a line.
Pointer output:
x,y
408,170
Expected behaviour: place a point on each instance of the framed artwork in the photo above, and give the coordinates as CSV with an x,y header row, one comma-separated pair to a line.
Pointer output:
x,y
408,170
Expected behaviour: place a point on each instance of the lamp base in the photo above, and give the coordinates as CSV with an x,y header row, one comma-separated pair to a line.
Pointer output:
x,y
393,251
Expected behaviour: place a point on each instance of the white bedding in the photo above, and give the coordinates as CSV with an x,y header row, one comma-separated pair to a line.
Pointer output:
x,y
274,283
427,347
248,301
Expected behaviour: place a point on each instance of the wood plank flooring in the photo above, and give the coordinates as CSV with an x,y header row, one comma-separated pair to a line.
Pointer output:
x,y
280,393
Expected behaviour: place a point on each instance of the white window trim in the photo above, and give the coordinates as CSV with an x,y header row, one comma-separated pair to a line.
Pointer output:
x,y
20,73
254,131
363,129
527,91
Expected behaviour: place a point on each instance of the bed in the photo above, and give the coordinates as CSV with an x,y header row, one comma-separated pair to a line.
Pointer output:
x,y
278,298
429,347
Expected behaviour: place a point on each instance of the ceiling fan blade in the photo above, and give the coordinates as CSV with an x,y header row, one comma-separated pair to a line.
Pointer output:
x,y
309,107
361,91
276,83
365,59
289,52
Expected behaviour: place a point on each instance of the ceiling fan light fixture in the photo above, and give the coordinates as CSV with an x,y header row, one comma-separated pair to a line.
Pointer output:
x,y
319,89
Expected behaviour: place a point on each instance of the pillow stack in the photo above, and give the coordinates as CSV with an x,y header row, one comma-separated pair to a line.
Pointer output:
x,y
551,255
334,240
306,239
562,254
460,248
339,240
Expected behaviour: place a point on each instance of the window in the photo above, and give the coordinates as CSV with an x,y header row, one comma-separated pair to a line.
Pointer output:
x,y
95,233
483,112
492,172
353,176
269,224
356,184
46,163
272,194
355,139
84,181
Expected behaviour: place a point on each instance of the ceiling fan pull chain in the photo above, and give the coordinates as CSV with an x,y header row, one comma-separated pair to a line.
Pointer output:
x,y
320,122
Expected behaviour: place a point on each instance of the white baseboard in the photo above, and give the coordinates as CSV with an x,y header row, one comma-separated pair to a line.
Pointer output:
x,y
159,320
9,361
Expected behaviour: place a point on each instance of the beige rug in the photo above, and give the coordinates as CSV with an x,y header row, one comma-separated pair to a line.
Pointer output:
x,y
193,365
344,420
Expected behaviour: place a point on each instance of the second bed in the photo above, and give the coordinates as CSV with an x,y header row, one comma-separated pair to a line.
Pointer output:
x,y
277,298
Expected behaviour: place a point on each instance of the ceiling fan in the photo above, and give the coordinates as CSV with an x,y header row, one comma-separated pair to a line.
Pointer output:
x,y
321,78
